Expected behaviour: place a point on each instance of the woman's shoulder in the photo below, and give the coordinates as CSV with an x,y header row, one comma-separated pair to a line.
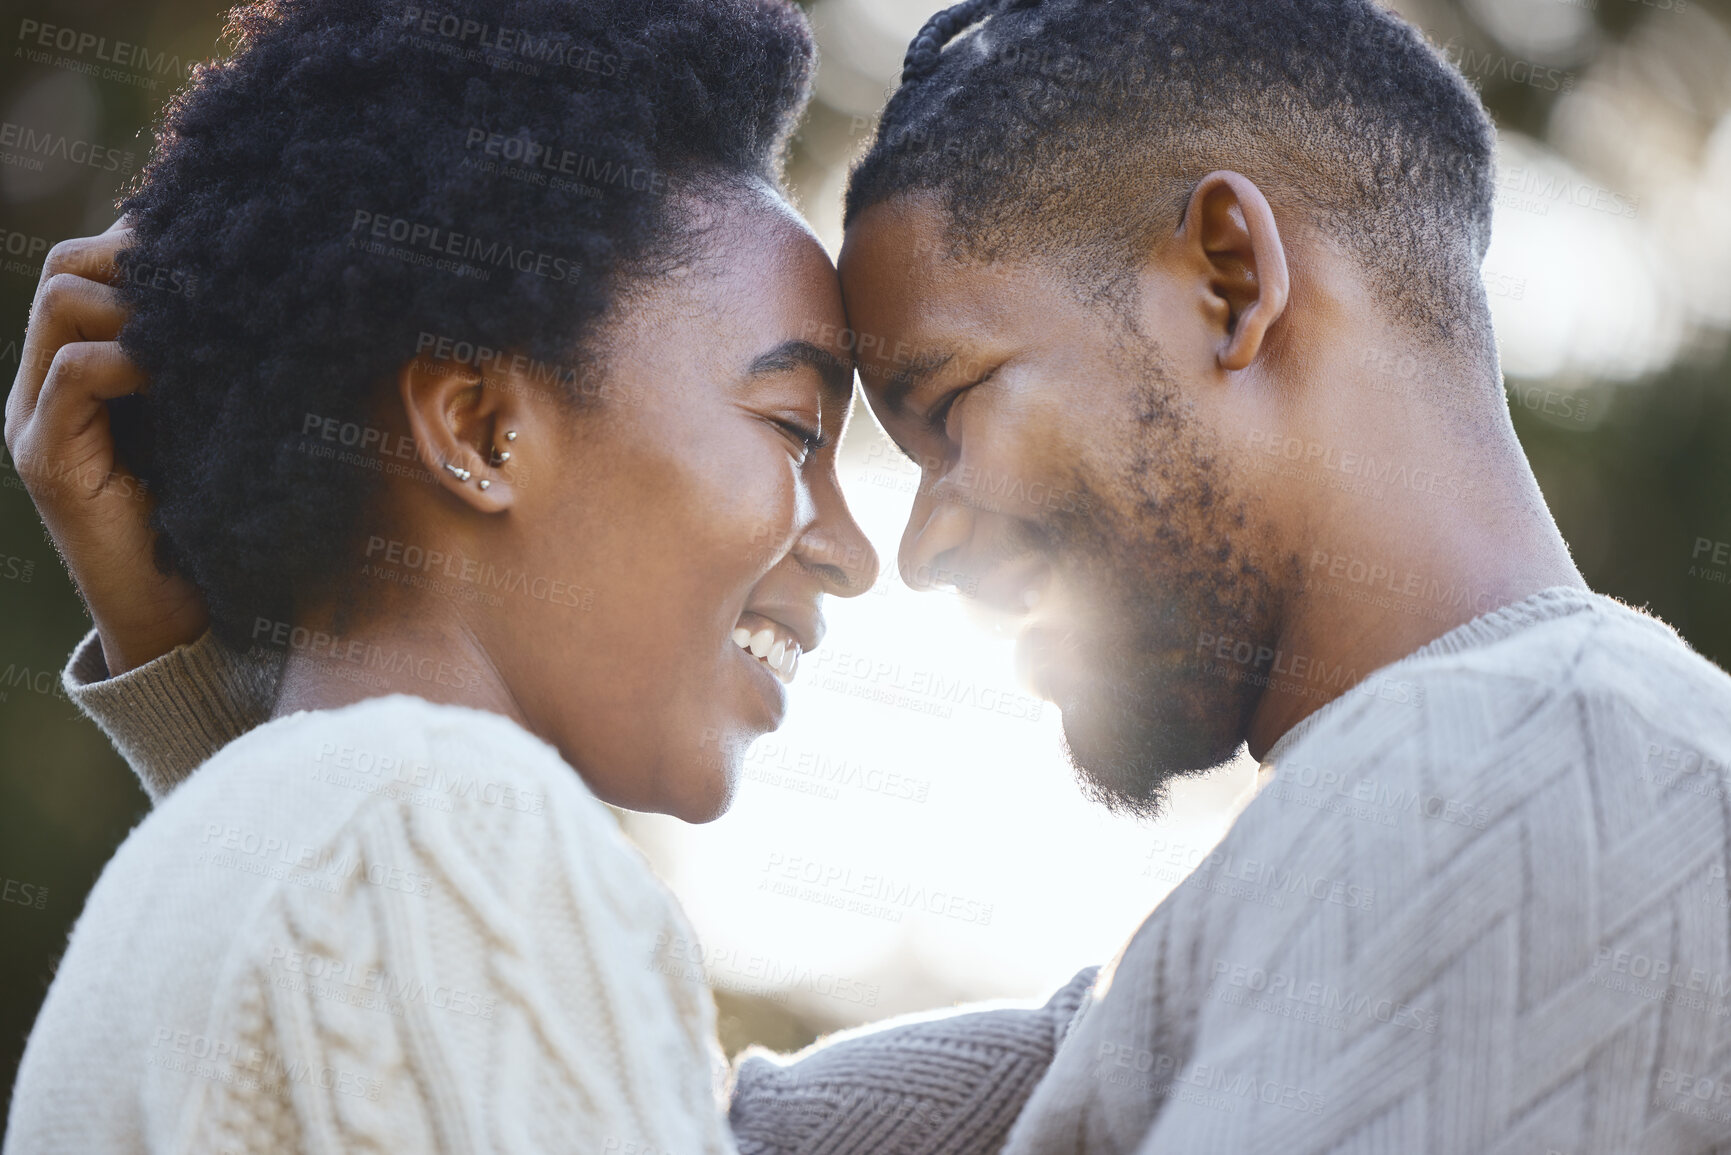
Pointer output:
x,y
479,886
398,887
316,801
397,749
448,772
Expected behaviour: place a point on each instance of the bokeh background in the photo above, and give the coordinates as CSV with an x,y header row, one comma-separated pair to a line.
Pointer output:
x,y
914,772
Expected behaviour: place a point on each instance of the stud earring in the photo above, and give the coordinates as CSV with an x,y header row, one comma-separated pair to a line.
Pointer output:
x,y
500,458
510,435
457,471
483,483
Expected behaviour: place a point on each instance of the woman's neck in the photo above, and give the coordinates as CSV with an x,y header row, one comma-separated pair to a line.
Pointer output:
x,y
430,654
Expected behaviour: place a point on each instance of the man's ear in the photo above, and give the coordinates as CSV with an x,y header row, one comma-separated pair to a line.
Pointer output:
x,y
1230,228
463,428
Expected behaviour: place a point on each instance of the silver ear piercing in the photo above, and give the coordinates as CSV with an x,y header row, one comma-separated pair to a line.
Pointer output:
x,y
494,455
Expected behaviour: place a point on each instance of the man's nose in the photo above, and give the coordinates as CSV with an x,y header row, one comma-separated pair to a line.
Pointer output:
x,y
932,543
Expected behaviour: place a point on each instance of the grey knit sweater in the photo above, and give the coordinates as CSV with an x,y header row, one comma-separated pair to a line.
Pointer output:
x,y
1479,905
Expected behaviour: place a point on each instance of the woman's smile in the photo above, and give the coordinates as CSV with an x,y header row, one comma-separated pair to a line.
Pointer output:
x,y
771,644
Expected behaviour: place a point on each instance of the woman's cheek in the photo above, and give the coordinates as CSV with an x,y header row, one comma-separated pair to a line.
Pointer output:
x,y
763,512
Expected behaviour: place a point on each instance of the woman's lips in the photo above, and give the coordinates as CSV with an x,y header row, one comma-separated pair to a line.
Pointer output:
x,y
769,642
767,688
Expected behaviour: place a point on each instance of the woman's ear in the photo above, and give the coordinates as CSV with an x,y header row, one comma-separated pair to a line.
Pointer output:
x,y
1229,226
465,430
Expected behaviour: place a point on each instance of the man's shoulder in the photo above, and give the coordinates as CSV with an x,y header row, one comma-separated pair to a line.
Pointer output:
x,y
1575,684
1605,690
1590,721
1628,654
1524,840
1595,645
1538,843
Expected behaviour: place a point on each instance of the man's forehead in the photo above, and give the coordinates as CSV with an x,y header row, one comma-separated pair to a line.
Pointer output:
x,y
903,279
899,253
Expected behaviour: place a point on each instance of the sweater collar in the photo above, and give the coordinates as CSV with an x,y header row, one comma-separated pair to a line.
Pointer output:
x,y
1484,630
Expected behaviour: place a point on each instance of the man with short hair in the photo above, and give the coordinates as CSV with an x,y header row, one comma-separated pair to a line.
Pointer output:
x,y
1212,268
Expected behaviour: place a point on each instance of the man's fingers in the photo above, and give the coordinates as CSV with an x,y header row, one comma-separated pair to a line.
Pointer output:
x,y
68,309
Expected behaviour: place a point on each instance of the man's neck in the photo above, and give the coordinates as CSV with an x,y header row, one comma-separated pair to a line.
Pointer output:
x,y
1454,528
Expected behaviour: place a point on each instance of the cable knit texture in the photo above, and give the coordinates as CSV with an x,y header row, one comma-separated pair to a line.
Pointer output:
x,y
952,1083
1479,908
392,927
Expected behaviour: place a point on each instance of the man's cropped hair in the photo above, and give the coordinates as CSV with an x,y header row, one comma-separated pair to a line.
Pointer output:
x,y
1079,128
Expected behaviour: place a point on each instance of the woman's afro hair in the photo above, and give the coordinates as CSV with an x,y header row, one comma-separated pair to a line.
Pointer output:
x,y
360,179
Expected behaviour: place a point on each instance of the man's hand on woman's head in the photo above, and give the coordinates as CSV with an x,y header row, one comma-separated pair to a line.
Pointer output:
x,y
58,434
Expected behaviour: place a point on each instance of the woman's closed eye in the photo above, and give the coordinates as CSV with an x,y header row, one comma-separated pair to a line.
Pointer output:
x,y
809,438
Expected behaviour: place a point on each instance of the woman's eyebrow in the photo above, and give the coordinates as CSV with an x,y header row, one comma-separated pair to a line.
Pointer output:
x,y
836,373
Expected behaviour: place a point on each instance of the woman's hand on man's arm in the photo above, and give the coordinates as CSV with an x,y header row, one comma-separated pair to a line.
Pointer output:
x,y
58,435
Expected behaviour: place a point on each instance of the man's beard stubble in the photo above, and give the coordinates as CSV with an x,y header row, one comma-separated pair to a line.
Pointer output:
x,y
1158,559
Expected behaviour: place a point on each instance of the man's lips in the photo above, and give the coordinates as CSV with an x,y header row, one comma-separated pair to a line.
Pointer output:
x,y
1015,589
1059,640
1039,652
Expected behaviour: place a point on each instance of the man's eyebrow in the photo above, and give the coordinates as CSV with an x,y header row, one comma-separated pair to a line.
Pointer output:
x,y
902,381
789,355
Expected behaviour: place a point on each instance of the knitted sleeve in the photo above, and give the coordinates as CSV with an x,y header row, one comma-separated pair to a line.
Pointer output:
x,y
952,1084
475,980
168,716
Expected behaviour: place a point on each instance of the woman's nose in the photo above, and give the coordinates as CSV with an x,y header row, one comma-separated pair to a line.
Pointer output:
x,y
837,549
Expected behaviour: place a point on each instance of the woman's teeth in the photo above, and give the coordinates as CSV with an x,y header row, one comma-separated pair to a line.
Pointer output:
x,y
781,655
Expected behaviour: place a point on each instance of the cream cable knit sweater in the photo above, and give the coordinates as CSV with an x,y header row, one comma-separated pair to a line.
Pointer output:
x,y
94,1074
294,953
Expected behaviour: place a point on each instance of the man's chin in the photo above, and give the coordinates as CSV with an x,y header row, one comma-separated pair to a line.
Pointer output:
x,y
1125,759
